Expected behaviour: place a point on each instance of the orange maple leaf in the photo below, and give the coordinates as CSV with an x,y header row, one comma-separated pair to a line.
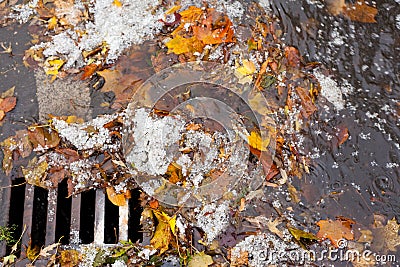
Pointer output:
x,y
336,230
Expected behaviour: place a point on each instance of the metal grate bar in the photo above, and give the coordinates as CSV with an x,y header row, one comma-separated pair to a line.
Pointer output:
x,y
51,217
27,217
99,217
5,197
123,221
75,219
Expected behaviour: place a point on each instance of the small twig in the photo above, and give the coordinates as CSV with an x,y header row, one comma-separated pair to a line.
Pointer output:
x,y
7,50
14,185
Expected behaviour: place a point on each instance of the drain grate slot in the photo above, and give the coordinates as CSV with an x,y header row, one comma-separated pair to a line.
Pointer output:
x,y
64,215
87,216
16,207
111,221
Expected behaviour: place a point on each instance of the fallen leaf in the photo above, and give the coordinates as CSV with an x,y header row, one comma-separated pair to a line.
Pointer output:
x,y
35,173
89,70
32,252
293,56
257,142
117,3
180,45
117,199
200,259
53,65
366,236
361,12
342,135
306,102
335,230
174,173
262,222
48,251
246,69
335,7
19,143
7,104
8,93
163,235
294,195
69,258
2,115
153,203
52,23
303,237
215,29
9,259
386,238
45,137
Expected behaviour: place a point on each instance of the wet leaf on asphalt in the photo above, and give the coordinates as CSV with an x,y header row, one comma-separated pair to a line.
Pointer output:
x,y
336,230
386,238
43,137
361,12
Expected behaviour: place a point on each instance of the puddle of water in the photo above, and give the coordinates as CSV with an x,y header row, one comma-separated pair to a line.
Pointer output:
x,y
361,177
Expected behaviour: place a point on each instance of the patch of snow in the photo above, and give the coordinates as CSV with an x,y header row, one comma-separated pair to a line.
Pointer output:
x,y
330,90
120,27
147,253
87,135
233,9
266,5
119,263
153,138
266,249
23,13
213,219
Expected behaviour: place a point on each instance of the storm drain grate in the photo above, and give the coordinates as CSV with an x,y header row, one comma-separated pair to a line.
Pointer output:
x,y
48,216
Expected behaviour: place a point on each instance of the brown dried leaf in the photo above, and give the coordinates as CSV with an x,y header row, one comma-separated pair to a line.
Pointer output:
x,y
293,56
360,12
36,172
43,136
306,102
386,238
89,70
2,115
7,104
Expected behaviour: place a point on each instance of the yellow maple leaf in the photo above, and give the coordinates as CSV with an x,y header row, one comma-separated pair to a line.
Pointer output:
x,y
52,23
52,66
247,68
257,142
180,45
117,3
165,229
